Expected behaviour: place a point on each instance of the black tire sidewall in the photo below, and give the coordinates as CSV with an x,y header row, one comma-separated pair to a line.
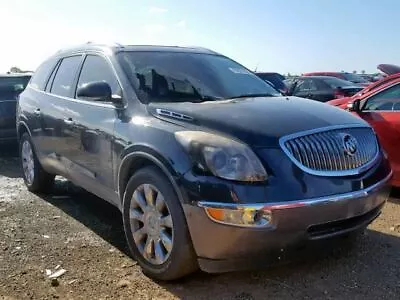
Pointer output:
x,y
182,259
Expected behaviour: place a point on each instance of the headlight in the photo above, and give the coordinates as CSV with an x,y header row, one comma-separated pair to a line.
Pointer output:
x,y
221,156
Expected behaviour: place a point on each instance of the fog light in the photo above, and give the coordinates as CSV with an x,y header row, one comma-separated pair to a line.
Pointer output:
x,y
249,217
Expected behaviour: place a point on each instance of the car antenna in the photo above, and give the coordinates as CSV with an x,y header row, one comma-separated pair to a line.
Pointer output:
x,y
255,70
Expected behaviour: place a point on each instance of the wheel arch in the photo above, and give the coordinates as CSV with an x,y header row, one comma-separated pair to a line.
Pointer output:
x,y
142,156
21,129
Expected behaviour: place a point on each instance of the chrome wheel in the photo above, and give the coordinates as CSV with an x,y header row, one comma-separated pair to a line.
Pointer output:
x,y
28,163
151,224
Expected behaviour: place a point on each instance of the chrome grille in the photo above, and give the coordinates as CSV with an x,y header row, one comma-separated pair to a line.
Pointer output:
x,y
330,151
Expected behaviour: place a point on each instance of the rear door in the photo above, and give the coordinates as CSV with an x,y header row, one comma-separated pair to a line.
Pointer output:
x,y
90,131
382,111
54,108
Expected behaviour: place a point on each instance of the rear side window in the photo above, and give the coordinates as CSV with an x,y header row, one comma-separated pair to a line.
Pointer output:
x,y
42,73
64,79
335,83
95,69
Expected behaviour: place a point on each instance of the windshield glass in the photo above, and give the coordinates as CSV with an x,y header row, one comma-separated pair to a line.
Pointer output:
x,y
336,83
354,78
181,77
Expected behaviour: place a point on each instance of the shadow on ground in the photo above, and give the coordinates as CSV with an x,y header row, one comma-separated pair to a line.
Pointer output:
x,y
342,266
9,163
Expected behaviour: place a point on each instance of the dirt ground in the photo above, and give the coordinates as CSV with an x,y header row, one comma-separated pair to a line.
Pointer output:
x,y
76,231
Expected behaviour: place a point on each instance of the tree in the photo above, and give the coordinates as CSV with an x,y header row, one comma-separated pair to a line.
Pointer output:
x,y
363,72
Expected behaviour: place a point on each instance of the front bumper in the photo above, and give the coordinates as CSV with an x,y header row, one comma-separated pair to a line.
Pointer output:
x,y
222,247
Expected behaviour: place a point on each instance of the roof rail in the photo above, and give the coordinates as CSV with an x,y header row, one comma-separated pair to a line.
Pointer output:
x,y
107,44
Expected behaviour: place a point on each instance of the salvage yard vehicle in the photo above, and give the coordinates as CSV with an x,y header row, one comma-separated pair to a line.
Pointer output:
x,y
211,167
11,85
354,78
275,79
322,88
379,105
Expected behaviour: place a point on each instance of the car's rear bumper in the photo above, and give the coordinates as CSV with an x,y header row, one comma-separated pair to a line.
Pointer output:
x,y
222,247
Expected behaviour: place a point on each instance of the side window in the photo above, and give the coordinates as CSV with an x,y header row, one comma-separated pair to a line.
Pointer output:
x,y
306,86
64,78
96,68
388,99
42,73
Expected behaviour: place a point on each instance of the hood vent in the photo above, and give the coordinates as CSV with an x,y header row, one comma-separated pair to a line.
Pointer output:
x,y
172,114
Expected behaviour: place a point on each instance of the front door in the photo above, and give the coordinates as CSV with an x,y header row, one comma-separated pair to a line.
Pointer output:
x,y
91,131
382,112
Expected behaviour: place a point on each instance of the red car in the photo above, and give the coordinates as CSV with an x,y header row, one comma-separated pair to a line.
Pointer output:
x,y
354,78
379,105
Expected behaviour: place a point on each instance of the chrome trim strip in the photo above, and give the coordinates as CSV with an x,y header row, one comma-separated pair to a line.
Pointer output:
x,y
299,203
356,171
172,114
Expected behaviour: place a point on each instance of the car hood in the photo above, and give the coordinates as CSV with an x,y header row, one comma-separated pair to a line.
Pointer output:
x,y
342,102
389,69
256,121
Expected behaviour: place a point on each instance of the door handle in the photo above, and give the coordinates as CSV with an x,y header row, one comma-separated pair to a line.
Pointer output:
x,y
37,112
69,121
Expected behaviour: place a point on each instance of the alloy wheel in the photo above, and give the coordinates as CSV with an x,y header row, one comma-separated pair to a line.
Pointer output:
x,y
28,163
151,224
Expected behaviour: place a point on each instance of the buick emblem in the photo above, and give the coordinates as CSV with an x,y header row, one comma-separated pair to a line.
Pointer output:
x,y
349,144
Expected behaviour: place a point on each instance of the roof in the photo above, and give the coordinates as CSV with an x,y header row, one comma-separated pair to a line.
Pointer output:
x,y
321,72
118,48
319,77
29,74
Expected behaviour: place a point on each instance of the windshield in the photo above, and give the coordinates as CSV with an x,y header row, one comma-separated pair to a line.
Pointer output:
x,y
181,77
338,83
354,78
11,87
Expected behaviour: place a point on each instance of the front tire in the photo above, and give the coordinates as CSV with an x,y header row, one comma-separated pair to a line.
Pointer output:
x,y
155,226
36,179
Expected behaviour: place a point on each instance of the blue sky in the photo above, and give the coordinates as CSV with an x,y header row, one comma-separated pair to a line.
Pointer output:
x,y
281,35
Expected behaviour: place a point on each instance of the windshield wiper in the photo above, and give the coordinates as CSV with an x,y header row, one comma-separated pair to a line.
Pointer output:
x,y
203,98
253,95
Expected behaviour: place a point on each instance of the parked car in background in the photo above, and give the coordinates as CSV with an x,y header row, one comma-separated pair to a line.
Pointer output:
x,y
210,166
354,78
322,88
379,105
275,79
11,85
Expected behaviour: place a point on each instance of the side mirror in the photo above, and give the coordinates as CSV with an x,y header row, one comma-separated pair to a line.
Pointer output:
x,y
95,91
354,105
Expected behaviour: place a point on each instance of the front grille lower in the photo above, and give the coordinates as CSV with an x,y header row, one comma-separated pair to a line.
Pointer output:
x,y
324,152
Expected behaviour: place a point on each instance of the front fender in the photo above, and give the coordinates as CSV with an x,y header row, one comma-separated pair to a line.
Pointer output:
x,y
137,156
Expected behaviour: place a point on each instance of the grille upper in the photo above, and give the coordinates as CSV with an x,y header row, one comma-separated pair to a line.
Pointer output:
x,y
335,151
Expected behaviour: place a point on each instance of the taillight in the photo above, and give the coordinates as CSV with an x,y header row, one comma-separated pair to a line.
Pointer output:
x,y
339,94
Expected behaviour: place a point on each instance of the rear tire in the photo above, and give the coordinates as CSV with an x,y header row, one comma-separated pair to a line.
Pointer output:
x,y
36,179
162,248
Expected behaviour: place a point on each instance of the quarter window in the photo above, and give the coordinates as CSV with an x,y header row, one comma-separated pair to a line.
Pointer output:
x,y
41,74
388,99
64,79
96,69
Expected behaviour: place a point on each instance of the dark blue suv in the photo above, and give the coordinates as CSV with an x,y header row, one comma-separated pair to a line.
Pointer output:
x,y
210,166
